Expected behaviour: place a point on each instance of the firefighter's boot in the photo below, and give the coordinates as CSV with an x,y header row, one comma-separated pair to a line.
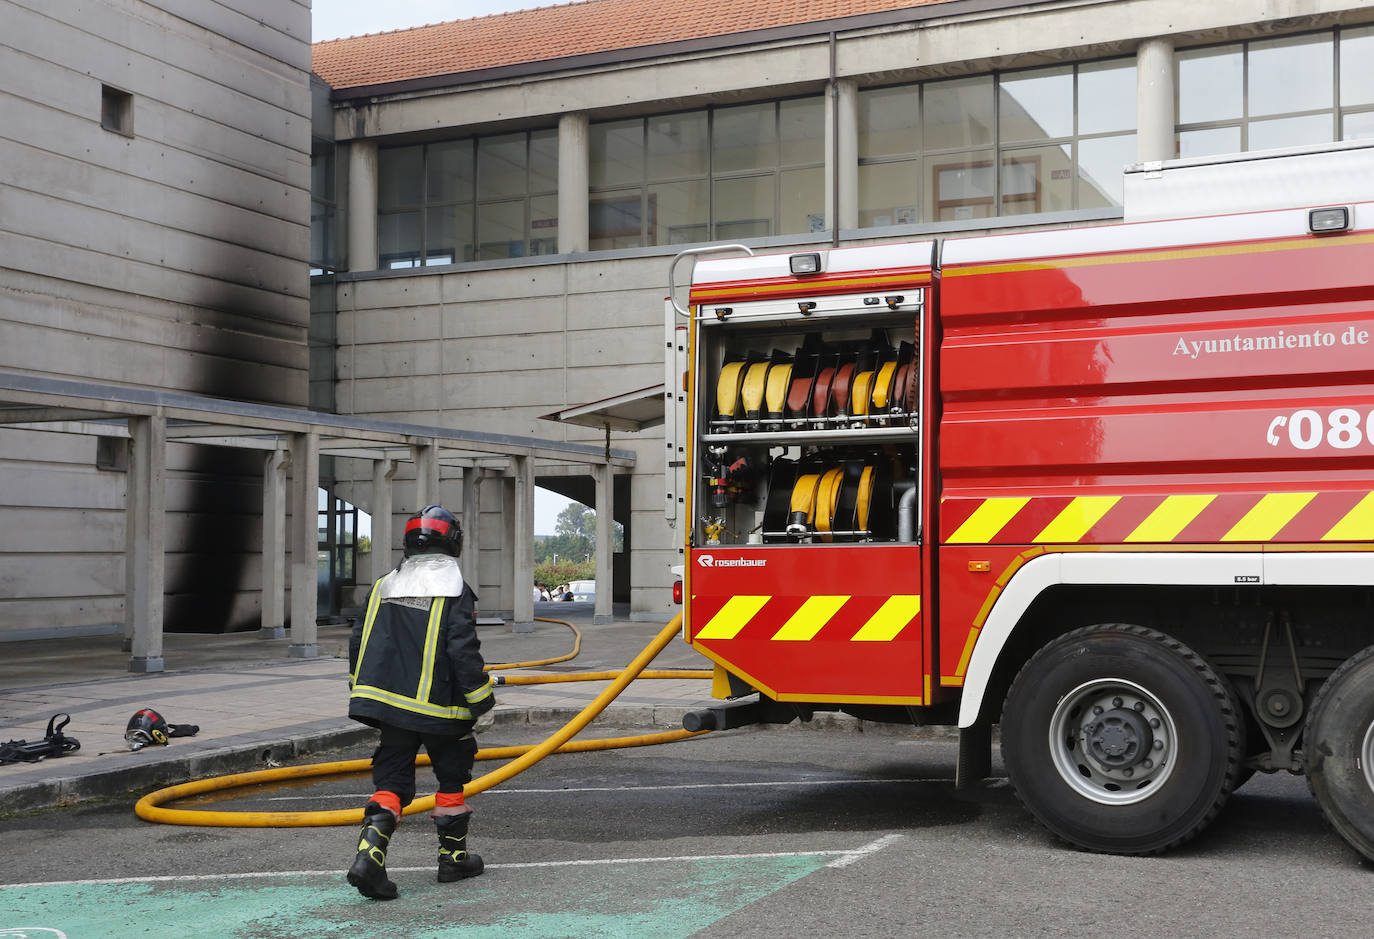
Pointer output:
x,y
368,872
455,861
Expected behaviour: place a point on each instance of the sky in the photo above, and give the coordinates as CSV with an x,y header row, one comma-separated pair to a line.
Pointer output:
x,y
333,19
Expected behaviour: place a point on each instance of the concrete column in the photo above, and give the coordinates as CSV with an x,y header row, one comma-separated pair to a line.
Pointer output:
x,y
605,542
145,538
382,472
426,457
1154,69
274,546
305,484
362,205
573,161
842,153
472,519
520,531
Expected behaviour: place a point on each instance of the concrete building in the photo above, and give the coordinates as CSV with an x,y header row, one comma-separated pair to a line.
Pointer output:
x,y
490,206
154,205
507,191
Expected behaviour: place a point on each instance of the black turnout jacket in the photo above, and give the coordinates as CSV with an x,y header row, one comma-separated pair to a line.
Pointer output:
x,y
415,662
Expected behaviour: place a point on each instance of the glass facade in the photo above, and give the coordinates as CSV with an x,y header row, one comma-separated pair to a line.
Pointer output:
x,y
478,199
1002,144
1269,93
1041,140
744,171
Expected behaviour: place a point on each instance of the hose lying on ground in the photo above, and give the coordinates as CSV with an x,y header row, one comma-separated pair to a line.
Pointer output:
x,y
150,807
577,647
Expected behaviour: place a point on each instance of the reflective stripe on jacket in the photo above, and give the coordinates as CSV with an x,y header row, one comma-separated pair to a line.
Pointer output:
x,y
415,662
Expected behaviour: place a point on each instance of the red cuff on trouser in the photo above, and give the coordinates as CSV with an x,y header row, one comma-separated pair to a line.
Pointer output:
x,y
387,800
448,800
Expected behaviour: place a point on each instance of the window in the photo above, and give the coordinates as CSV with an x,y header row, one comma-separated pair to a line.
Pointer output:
x,y
1264,94
324,222
1040,140
725,173
117,110
477,199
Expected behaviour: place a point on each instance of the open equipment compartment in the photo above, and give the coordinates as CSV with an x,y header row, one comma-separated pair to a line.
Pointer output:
x,y
808,413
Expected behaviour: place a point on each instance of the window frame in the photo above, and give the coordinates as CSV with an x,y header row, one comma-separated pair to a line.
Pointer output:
x,y
425,254
1335,111
711,227
927,161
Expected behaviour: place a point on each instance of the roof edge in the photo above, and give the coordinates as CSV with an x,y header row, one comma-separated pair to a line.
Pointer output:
x,y
810,29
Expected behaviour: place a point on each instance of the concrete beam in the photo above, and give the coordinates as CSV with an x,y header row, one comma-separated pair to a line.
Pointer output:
x,y
472,509
1154,69
520,533
362,205
305,484
426,459
274,545
145,542
605,543
382,472
842,154
573,162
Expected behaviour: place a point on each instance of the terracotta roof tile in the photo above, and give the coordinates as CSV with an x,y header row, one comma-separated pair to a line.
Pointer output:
x,y
568,29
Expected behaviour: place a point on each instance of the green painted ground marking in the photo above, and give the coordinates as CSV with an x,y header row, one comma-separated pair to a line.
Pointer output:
x,y
665,900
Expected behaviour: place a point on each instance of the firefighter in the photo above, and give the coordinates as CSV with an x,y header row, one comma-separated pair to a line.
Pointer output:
x,y
416,673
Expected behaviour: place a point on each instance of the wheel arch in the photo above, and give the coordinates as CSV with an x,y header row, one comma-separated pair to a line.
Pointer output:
x,y
1016,625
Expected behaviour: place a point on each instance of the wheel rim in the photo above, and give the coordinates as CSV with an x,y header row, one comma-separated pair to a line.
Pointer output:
x,y
1113,742
1367,755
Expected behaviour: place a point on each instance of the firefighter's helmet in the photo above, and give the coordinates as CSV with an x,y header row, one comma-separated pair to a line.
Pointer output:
x,y
433,529
146,727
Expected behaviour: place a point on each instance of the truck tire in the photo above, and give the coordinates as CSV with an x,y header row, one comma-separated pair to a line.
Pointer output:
x,y
1338,750
1120,739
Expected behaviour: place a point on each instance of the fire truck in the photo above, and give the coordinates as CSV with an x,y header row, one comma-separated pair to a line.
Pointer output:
x,y
1108,488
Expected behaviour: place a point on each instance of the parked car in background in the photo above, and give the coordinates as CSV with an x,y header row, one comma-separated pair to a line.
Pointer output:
x,y
583,590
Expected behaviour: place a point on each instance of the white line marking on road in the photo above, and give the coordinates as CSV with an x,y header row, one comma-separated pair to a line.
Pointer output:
x,y
872,847
581,789
579,862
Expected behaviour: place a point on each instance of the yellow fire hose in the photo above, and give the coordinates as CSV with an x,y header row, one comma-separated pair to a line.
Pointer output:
x,y
150,807
577,647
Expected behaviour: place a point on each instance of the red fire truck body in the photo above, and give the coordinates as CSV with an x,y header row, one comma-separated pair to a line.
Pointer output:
x,y
1111,488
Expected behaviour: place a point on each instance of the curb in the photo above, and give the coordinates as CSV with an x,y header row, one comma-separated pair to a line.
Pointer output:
x,y
60,791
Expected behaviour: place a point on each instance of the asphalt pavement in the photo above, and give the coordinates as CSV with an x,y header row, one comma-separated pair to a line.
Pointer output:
x,y
257,708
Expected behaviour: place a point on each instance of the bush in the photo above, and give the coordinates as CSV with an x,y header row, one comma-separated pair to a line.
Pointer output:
x,y
552,573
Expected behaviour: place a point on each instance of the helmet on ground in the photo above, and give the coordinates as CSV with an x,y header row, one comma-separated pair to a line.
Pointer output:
x,y
144,728
433,529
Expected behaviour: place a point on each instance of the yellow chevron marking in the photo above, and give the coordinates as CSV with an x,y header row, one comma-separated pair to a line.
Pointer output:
x,y
891,617
732,617
1169,518
809,619
1268,516
1355,525
1077,517
987,520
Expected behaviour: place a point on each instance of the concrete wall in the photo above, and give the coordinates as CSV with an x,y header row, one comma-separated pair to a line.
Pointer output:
x,y
172,255
492,350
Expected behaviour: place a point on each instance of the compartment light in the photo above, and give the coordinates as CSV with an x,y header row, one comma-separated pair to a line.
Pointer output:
x,y
801,264
1331,219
